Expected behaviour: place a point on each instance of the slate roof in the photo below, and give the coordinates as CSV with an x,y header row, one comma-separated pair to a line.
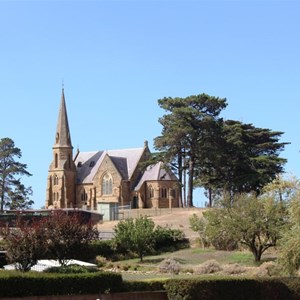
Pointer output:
x,y
154,173
125,160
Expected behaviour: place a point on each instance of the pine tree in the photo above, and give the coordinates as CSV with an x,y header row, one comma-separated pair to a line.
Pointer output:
x,y
12,191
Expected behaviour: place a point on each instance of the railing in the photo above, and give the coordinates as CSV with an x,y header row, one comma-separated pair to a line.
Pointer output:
x,y
151,212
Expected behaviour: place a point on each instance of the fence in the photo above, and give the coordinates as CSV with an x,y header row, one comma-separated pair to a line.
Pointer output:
x,y
125,213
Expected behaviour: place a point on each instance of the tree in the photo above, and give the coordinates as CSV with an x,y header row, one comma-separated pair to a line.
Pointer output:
x,y
289,257
283,189
25,244
254,222
245,159
186,127
136,235
199,224
12,191
67,235
20,197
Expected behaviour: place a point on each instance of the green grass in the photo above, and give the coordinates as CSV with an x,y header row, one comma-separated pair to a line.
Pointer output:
x,y
188,258
242,258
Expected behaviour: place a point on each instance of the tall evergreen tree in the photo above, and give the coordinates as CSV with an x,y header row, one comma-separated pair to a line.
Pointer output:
x,y
186,127
11,189
246,159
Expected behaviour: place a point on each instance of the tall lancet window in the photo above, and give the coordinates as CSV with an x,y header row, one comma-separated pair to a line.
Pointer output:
x,y
106,185
56,160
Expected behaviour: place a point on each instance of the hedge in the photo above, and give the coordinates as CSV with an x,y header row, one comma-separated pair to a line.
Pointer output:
x,y
149,285
229,289
16,284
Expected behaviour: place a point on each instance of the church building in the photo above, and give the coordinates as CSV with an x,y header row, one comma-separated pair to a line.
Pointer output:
x,y
88,179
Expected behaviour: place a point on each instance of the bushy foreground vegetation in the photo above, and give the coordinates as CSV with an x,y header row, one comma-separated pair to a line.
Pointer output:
x,y
256,223
231,288
38,284
60,236
221,288
64,237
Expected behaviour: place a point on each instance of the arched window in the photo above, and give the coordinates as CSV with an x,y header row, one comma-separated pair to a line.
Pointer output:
x,y
55,180
84,196
107,185
163,193
173,193
151,192
56,160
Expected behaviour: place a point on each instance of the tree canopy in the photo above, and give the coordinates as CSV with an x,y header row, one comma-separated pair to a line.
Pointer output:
x,y
186,127
246,159
13,194
256,222
136,235
223,156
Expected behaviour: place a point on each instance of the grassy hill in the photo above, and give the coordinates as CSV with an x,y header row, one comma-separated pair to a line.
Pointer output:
x,y
176,218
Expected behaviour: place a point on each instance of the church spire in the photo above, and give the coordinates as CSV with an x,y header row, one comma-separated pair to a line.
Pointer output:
x,y
63,137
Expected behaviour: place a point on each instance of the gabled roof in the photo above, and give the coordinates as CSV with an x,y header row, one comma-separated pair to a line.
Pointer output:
x,y
125,161
156,173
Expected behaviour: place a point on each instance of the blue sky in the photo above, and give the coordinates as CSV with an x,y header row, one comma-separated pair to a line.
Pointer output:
x,y
117,58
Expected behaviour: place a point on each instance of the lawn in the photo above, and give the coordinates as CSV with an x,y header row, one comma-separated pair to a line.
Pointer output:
x,y
133,269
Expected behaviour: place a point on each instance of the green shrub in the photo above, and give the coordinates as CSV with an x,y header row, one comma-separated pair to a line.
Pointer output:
x,y
223,241
71,269
168,239
134,286
227,289
102,247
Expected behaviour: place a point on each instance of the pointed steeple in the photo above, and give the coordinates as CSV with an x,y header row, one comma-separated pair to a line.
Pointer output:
x,y
63,137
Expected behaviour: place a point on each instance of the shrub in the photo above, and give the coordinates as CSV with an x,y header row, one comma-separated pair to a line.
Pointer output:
x,y
71,269
223,241
101,261
103,248
268,269
153,285
227,289
168,239
39,284
169,265
25,244
67,236
208,267
3,260
232,269
198,224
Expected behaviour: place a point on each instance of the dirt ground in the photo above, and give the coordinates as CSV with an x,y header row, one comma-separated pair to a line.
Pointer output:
x,y
177,219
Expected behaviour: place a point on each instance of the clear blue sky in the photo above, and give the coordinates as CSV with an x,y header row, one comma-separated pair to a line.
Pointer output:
x,y
118,57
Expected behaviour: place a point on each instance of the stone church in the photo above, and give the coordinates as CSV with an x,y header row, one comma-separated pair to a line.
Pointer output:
x,y
88,179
